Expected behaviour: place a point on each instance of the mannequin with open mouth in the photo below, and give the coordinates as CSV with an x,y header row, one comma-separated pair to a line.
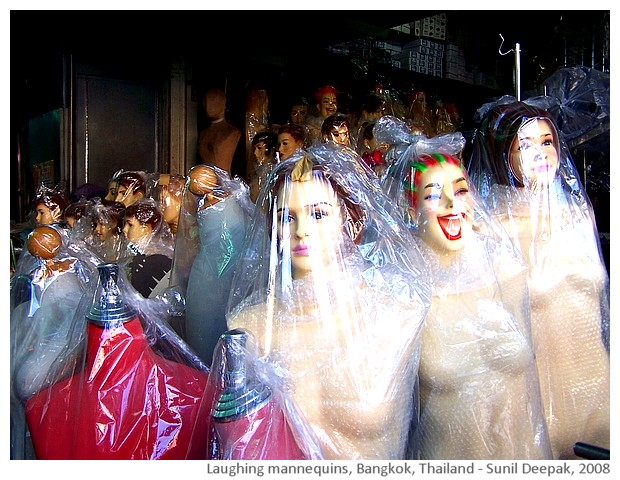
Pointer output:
x,y
479,388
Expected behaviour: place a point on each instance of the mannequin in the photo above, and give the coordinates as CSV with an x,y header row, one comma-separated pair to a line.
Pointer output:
x,y
326,104
150,247
370,110
419,114
524,169
112,188
264,147
299,111
107,240
305,291
217,143
290,139
369,149
256,120
169,194
479,387
131,188
222,216
49,206
335,128
128,395
42,306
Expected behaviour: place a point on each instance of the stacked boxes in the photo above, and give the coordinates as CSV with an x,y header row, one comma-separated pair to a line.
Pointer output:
x,y
421,56
432,27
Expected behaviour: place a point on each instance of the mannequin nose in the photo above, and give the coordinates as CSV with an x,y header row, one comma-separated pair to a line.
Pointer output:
x,y
301,231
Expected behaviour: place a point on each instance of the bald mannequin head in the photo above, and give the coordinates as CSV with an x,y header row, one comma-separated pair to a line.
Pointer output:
x,y
214,103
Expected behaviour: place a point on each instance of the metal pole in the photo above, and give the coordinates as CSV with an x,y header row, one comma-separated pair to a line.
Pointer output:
x,y
518,71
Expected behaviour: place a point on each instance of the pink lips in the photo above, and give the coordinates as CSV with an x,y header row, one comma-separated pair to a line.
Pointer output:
x,y
301,250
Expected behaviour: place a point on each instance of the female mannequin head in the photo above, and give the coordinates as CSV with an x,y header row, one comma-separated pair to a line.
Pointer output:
x,y
290,138
131,188
112,189
170,192
371,109
522,145
264,146
313,212
299,111
326,101
335,129
437,190
76,211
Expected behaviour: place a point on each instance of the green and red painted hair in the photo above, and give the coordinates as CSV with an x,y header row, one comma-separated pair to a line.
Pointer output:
x,y
417,167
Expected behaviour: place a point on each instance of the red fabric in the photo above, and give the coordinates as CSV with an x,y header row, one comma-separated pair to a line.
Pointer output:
x,y
262,435
127,403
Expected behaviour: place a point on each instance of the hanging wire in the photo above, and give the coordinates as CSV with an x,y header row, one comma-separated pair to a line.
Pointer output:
x,y
517,69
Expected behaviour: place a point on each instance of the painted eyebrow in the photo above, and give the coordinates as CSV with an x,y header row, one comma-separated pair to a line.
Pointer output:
x,y
313,205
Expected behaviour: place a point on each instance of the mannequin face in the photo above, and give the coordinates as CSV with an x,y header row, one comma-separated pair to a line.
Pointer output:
x,y
533,155
287,145
127,196
45,216
104,231
309,225
339,135
135,231
328,105
299,113
443,211
261,154
171,208
112,190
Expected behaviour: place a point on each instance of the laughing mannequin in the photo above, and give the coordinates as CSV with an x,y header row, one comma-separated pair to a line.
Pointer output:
x,y
526,173
217,143
479,385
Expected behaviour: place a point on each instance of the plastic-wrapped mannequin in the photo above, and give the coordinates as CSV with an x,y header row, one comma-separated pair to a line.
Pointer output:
x,y
41,315
106,240
264,148
169,193
50,205
253,416
335,293
290,139
222,213
326,104
112,188
420,116
131,187
217,143
335,128
130,389
525,172
256,120
299,111
369,149
480,397
150,246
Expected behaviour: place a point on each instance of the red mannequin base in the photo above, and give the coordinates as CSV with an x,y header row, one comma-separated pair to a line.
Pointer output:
x,y
127,403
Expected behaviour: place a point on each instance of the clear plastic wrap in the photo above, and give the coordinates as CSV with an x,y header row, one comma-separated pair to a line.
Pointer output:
x,y
147,258
525,173
42,304
214,218
125,387
335,293
480,396
252,415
